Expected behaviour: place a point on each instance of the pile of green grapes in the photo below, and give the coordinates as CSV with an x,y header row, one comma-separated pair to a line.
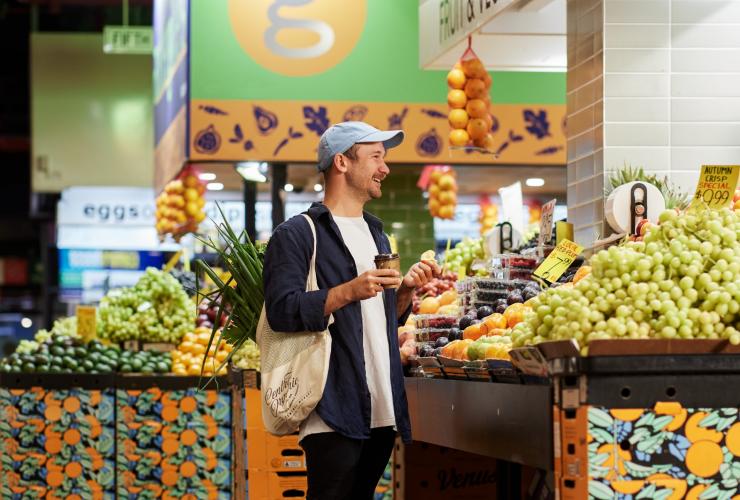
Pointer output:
x,y
681,282
156,309
247,357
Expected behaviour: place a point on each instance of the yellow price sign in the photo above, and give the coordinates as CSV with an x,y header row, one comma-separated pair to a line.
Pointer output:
x,y
717,185
558,261
86,322
563,230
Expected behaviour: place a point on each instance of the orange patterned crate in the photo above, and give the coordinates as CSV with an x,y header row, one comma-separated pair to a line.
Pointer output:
x,y
272,453
267,485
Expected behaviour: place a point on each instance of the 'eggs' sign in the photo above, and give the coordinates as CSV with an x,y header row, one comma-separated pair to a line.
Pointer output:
x,y
298,37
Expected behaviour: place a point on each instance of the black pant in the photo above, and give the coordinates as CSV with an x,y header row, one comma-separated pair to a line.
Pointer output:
x,y
341,468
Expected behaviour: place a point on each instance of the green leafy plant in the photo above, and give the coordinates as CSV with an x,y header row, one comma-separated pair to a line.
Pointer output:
x,y
674,198
242,291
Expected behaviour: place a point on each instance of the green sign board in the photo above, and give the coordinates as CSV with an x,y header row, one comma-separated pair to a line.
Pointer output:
x,y
375,55
127,39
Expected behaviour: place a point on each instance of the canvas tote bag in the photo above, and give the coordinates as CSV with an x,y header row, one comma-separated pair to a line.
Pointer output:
x,y
294,367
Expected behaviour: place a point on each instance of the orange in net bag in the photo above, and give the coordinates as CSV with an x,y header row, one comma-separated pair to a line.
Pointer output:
x,y
469,103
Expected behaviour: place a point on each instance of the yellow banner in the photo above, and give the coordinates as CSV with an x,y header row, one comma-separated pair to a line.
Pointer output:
x,y
717,184
289,131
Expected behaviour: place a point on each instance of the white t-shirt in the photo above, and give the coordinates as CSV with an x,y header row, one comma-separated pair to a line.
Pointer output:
x,y
358,239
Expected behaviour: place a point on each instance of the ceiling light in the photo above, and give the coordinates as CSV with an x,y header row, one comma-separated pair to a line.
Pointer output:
x,y
288,188
318,188
535,182
26,323
252,171
214,186
207,176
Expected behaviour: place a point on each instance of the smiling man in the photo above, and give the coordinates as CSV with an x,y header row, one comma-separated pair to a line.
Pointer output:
x,y
349,437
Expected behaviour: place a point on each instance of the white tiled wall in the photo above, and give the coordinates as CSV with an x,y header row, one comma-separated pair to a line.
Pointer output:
x,y
670,96
585,98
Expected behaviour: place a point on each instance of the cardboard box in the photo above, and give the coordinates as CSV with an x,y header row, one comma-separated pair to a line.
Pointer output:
x,y
273,453
267,485
434,472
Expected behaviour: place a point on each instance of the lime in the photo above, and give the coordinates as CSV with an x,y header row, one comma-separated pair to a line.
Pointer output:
x,y
80,352
28,368
57,350
88,365
126,368
162,367
69,362
136,364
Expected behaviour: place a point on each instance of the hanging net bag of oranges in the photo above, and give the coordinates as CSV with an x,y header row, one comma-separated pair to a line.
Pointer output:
x,y
469,104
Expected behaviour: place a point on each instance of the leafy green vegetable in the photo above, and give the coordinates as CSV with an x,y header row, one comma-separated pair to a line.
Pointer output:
x,y
243,291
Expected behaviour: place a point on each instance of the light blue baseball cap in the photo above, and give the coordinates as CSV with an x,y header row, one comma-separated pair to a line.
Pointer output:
x,y
342,136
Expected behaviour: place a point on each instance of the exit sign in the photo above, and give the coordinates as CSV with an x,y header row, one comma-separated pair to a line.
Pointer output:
x,y
127,40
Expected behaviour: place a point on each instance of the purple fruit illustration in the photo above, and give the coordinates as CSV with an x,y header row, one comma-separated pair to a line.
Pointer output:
x,y
429,144
207,141
267,121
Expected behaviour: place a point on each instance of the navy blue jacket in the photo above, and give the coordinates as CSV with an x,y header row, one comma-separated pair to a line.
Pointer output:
x,y
345,404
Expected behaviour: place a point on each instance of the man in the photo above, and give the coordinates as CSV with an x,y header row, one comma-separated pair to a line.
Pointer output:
x,y
349,437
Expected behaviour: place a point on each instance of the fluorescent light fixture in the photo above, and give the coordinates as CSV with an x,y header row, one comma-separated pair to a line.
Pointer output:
x,y
26,323
207,176
215,186
318,188
535,182
288,188
252,171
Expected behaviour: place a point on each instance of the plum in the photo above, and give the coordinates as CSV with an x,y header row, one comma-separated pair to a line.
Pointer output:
x,y
514,297
465,321
426,351
484,312
454,334
441,342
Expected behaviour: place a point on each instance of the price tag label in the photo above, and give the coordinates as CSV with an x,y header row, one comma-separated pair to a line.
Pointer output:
x,y
548,209
563,230
86,322
716,186
558,261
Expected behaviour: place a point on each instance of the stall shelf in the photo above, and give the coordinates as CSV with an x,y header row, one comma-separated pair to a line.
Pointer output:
x,y
511,422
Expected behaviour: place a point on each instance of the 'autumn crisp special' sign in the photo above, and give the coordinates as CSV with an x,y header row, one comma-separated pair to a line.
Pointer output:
x,y
263,79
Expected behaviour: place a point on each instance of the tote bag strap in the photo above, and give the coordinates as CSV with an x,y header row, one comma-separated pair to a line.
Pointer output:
x,y
311,282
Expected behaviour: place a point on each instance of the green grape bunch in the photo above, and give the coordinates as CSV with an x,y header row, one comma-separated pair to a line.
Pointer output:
x,y
156,309
247,357
681,282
